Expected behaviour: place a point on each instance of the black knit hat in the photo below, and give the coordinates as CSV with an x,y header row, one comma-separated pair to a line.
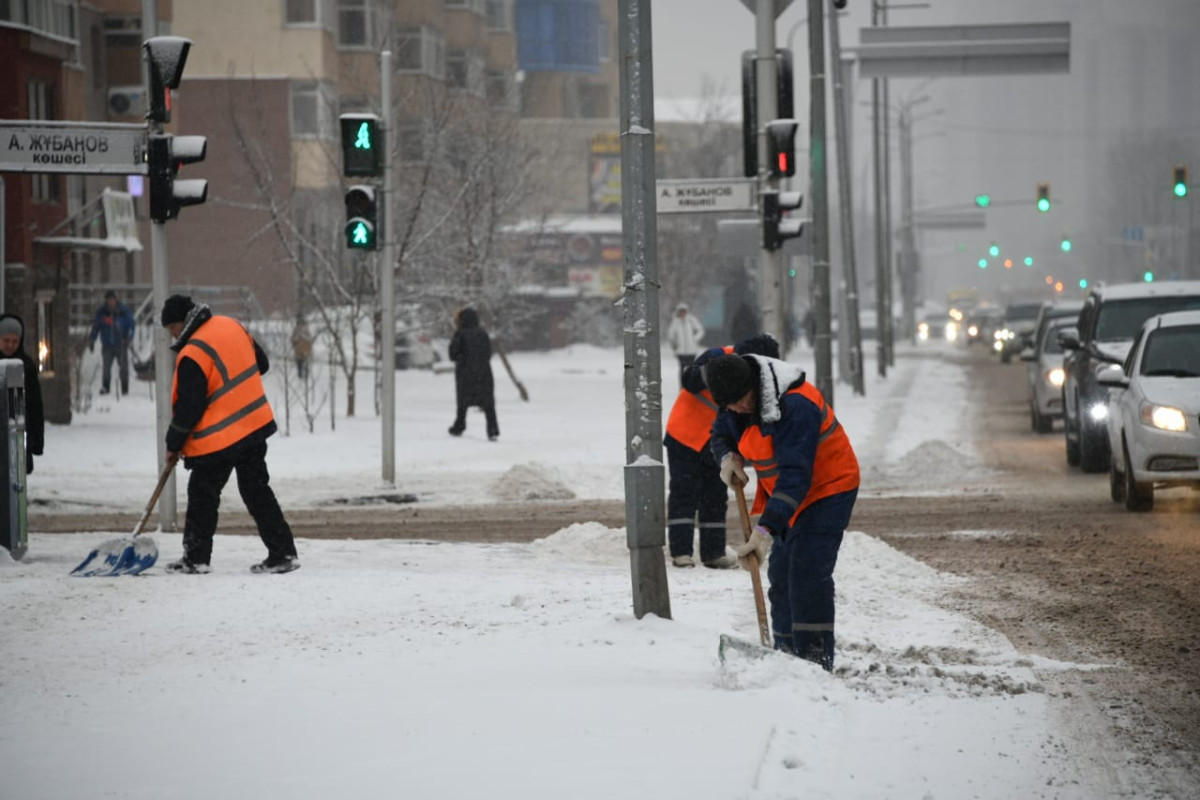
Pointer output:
x,y
176,309
728,377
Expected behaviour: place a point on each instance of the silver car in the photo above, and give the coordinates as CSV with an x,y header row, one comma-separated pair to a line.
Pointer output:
x,y
1044,374
1154,411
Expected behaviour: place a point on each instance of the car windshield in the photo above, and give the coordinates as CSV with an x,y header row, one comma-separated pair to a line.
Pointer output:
x,y
1022,311
1121,319
1173,352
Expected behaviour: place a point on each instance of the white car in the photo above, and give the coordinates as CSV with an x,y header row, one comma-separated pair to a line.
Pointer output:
x,y
1154,410
1044,374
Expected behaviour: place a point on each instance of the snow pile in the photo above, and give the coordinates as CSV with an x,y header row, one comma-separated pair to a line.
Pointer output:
x,y
527,482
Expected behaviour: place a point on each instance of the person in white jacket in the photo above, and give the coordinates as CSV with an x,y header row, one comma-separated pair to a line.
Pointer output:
x,y
685,335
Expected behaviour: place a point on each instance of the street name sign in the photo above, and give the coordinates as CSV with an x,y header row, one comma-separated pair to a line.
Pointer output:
x,y
685,196
72,147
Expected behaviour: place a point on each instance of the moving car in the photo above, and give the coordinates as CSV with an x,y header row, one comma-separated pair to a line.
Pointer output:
x,y
1110,319
1154,411
981,324
1045,374
1016,331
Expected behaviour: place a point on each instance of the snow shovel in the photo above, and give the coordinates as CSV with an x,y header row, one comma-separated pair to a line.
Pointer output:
x,y
131,555
508,368
760,605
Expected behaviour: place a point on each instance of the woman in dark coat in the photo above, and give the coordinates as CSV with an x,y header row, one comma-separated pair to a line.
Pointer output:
x,y
471,352
12,345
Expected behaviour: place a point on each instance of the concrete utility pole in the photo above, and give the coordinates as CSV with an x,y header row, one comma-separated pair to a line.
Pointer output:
x,y
387,278
766,73
645,520
882,245
908,235
164,364
849,266
820,198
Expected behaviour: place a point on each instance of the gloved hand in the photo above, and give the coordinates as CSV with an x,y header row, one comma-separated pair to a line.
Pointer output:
x,y
759,544
733,466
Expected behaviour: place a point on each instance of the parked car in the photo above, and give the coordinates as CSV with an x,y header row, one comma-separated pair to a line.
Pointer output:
x,y
1111,318
1052,314
1044,374
414,350
1016,330
1154,411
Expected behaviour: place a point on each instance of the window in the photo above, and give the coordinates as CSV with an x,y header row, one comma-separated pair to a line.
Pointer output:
x,y
311,116
477,6
464,70
421,51
499,15
356,23
46,351
54,17
500,89
44,186
300,12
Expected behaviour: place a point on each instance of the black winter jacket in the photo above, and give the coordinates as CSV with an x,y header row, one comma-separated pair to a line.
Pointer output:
x,y
35,418
471,352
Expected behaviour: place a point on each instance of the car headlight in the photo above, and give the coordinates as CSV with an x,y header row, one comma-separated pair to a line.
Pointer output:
x,y
951,331
1165,418
1098,412
973,330
997,345
1056,376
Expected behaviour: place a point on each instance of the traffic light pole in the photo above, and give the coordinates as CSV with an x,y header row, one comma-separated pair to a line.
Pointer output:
x,y
164,364
770,262
387,280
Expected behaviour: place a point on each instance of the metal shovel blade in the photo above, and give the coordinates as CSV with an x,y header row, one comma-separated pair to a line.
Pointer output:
x,y
128,556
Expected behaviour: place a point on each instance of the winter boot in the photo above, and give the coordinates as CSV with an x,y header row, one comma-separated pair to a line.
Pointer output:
x,y
727,561
185,567
683,561
276,566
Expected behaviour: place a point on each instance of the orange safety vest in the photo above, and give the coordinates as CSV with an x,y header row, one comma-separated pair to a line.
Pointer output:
x,y
692,417
237,405
834,470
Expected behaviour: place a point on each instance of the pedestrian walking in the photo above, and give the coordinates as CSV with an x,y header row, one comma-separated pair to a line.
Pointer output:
x,y
113,326
685,334
696,495
220,424
302,344
471,352
12,345
808,478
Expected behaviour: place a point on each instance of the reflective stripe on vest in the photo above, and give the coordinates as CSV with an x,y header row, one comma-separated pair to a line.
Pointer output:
x,y
236,405
692,417
835,469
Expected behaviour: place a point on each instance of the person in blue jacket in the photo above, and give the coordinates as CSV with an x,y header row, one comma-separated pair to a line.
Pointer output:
x,y
114,327
775,421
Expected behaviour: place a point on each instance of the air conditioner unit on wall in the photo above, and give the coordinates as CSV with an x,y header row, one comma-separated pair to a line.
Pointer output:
x,y
126,102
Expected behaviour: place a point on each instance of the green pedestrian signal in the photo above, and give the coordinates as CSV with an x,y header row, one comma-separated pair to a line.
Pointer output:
x,y
983,200
361,216
361,145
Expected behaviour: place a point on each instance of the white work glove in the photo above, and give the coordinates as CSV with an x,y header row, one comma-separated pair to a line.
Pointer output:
x,y
732,466
759,544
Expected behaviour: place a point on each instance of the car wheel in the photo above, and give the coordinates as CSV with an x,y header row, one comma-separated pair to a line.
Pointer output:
x,y
1116,481
1040,424
1072,446
1138,496
1093,448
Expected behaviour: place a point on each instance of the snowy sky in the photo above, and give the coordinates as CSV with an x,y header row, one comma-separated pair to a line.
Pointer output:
x,y
393,668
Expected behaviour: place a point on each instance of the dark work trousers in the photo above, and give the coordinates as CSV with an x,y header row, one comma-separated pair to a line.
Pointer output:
x,y
204,498
120,352
695,487
684,363
800,570
489,413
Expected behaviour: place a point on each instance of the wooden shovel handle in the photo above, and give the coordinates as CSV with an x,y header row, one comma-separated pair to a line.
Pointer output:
x,y
162,481
760,605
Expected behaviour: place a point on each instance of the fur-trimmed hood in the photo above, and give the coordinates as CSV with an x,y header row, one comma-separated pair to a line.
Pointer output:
x,y
199,315
775,377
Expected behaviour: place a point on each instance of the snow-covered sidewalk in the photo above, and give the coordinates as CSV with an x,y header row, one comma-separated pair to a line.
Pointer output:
x,y
429,670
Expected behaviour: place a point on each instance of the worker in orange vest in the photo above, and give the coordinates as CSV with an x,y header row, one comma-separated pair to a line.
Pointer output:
x,y
220,423
808,478
695,488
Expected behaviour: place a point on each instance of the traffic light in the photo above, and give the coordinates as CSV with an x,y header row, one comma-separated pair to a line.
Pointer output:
x,y
983,263
776,228
781,147
165,154
1083,284
1181,182
1029,261
362,145
361,217
994,250
1065,244
784,108
1043,197
983,200
165,57
1148,276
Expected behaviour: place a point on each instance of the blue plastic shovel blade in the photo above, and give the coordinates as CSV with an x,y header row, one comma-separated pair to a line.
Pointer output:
x,y
118,557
